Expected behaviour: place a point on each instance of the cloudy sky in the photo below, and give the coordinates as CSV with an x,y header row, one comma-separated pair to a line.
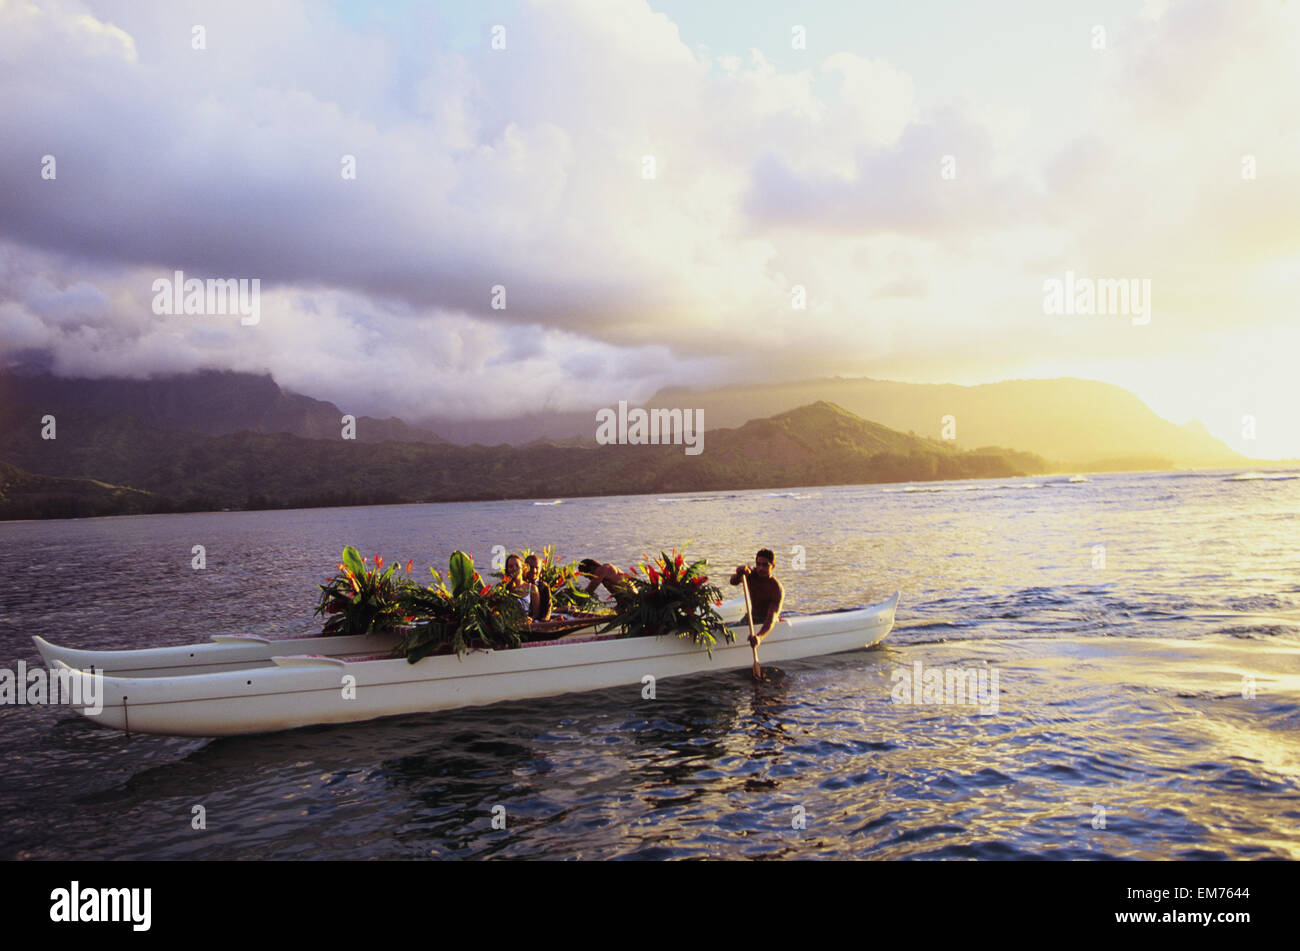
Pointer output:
x,y
652,183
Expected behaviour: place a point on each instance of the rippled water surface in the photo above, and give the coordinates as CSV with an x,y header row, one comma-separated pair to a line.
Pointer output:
x,y
1144,631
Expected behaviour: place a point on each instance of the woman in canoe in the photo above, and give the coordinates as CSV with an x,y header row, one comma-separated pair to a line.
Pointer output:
x,y
515,582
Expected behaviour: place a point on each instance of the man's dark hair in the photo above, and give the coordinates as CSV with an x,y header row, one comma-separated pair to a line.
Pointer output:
x,y
766,553
588,565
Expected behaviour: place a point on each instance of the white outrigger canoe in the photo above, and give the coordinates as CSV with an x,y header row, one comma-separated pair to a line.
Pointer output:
x,y
242,651
283,692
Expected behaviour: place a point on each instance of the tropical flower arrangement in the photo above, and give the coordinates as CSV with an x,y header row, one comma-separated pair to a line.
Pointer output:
x,y
464,612
361,597
672,598
469,614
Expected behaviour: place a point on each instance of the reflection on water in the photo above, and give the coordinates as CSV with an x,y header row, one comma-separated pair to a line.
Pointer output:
x,y
1149,708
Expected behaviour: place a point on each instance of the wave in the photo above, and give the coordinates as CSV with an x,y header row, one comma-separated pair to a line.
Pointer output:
x,y
1262,477
971,488
1255,631
556,502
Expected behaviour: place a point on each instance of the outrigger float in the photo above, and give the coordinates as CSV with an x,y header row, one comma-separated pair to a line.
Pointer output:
x,y
239,685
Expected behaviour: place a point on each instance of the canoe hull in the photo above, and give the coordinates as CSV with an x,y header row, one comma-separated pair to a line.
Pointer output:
x,y
231,652
225,654
310,691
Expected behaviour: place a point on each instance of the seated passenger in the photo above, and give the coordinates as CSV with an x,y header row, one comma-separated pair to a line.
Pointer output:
x,y
533,574
516,584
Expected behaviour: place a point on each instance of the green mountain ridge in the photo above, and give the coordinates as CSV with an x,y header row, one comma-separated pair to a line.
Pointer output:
x,y
26,495
819,444
1084,425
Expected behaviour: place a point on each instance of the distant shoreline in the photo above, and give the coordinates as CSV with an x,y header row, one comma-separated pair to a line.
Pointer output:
x,y
1064,473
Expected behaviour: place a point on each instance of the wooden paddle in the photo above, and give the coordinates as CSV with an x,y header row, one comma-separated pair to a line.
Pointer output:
x,y
749,615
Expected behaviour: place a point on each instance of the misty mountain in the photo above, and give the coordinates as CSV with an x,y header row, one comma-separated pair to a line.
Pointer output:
x,y
820,444
214,402
568,427
1075,424
1078,424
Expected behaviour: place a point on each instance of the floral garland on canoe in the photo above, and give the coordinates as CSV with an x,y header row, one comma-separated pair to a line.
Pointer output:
x,y
671,598
361,598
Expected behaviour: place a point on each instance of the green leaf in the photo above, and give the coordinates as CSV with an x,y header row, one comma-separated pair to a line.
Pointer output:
x,y
352,559
462,572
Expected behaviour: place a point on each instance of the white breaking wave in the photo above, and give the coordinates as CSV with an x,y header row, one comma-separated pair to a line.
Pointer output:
x,y
969,488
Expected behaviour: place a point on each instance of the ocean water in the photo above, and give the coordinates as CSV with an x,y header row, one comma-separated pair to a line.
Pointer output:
x,y
1143,629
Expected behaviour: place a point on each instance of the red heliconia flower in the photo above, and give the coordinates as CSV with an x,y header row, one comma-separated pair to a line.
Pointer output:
x,y
486,589
379,563
652,574
678,561
412,618
409,564
718,602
